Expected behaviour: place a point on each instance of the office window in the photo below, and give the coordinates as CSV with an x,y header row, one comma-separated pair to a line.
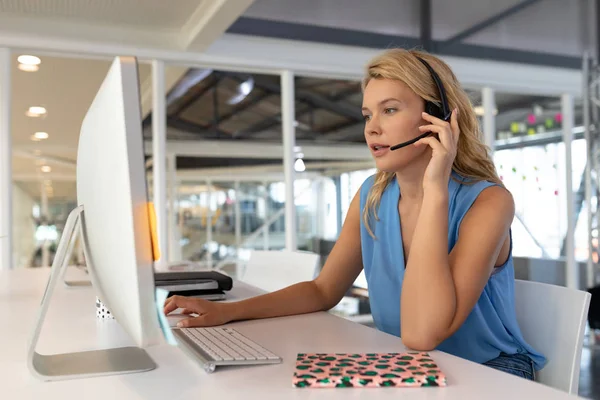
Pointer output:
x,y
535,175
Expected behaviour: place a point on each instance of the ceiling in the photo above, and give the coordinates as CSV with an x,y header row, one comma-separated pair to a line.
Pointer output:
x,y
145,14
534,26
66,85
328,110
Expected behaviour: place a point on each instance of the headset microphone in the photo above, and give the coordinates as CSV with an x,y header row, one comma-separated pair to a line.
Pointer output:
x,y
442,112
409,142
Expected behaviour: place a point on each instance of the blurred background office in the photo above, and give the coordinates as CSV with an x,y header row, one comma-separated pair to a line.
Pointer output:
x,y
249,103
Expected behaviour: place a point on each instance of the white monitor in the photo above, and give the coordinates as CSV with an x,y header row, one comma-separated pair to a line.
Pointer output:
x,y
114,215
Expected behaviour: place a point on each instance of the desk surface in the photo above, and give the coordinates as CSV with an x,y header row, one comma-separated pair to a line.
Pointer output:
x,y
71,325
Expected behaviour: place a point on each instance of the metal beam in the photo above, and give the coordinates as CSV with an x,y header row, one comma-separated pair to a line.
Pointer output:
x,y
579,199
243,106
314,99
317,100
349,37
342,125
319,34
206,131
196,96
426,30
262,150
535,140
509,55
276,119
266,123
192,77
489,22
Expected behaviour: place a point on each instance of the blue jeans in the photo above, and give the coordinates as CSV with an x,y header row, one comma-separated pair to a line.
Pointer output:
x,y
516,364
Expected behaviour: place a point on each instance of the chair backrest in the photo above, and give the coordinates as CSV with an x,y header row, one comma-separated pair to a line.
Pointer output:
x,y
274,270
553,319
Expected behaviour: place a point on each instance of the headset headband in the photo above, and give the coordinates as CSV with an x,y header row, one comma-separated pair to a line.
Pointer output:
x,y
438,82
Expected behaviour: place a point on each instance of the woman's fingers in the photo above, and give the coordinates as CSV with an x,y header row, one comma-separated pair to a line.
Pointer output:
x,y
454,125
193,322
433,143
443,132
175,302
434,120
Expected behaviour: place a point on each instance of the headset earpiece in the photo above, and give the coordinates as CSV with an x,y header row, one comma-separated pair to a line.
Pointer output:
x,y
432,109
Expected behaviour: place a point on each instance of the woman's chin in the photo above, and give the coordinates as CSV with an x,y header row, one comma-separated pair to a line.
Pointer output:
x,y
391,167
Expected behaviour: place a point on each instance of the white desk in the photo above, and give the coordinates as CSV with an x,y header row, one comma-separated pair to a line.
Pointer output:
x,y
71,325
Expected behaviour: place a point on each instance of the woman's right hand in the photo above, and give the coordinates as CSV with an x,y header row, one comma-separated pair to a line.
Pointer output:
x,y
209,313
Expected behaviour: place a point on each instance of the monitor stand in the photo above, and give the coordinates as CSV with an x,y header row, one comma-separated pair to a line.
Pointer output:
x,y
79,364
76,283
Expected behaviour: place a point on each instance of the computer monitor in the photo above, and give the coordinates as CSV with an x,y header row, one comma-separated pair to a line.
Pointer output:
x,y
115,221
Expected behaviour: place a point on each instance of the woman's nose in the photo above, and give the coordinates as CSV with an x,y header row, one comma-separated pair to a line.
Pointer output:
x,y
372,127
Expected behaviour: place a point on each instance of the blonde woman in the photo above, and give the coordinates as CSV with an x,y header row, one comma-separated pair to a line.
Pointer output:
x,y
431,228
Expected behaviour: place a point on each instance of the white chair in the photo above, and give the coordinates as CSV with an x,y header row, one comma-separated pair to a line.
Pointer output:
x,y
274,270
553,320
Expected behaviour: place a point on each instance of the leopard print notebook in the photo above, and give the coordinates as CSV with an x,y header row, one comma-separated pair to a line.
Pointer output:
x,y
409,369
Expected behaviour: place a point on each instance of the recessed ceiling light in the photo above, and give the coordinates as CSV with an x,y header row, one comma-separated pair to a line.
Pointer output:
x,y
35,111
46,168
29,60
29,68
299,165
41,135
29,63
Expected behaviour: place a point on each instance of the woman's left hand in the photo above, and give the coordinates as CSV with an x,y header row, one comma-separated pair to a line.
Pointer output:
x,y
444,150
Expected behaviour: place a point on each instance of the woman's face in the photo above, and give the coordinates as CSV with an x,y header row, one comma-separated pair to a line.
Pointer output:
x,y
392,113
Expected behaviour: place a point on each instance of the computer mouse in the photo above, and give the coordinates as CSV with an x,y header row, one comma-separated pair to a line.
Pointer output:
x,y
175,318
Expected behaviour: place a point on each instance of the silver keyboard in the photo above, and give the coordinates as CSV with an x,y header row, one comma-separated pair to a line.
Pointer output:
x,y
223,346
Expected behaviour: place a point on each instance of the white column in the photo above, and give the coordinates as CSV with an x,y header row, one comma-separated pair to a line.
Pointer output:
x,y
159,144
590,267
288,117
568,114
44,217
489,119
238,216
320,206
6,212
266,226
209,224
174,234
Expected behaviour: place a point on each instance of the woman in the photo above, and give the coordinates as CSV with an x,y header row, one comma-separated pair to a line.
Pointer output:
x,y
431,229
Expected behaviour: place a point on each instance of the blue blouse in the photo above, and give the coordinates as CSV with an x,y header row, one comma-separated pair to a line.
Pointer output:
x,y
490,328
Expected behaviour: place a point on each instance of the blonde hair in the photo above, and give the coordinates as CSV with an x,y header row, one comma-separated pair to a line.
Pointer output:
x,y
472,160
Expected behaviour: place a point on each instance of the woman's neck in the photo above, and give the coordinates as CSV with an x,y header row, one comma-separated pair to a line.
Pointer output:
x,y
410,178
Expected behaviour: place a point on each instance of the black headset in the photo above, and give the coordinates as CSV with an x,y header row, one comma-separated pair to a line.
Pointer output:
x,y
441,111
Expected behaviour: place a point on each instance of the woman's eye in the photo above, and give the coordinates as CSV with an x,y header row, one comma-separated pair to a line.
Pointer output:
x,y
390,110
366,117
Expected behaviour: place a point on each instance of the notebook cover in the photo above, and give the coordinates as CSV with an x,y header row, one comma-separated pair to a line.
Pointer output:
x,y
330,370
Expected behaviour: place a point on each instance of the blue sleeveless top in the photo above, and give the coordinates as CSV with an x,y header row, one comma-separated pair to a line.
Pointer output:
x,y
490,328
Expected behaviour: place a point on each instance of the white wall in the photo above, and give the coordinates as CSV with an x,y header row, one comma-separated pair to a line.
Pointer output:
x,y
23,227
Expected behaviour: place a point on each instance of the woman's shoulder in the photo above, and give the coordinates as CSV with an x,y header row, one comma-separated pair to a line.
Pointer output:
x,y
465,192
463,186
